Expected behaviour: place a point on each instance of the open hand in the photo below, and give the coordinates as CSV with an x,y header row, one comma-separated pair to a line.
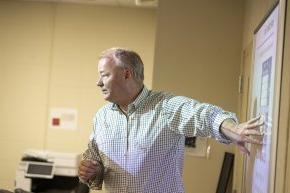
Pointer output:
x,y
244,132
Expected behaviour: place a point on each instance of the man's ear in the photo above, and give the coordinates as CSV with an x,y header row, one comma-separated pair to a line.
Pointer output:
x,y
128,73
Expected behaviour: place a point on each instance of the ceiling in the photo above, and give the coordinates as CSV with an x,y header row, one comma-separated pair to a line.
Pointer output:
x,y
119,3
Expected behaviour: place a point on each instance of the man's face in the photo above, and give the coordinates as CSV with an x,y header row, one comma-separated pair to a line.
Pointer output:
x,y
112,80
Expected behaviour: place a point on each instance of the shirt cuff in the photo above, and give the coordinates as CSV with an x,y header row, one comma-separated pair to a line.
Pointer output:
x,y
219,119
95,184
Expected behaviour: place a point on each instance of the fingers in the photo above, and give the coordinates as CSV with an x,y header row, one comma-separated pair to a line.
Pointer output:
x,y
255,122
256,125
253,127
88,169
254,132
253,140
254,119
89,164
244,149
248,132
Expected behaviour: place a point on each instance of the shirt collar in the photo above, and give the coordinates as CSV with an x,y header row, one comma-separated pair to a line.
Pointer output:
x,y
137,102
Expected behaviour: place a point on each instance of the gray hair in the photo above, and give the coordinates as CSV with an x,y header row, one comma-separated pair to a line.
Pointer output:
x,y
127,59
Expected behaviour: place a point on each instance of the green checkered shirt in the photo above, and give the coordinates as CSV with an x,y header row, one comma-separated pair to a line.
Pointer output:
x,y
142,150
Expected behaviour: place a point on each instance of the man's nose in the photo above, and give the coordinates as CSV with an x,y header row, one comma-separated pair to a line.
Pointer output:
x,y
100,82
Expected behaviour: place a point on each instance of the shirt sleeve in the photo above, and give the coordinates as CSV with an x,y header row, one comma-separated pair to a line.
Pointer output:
x,y
192,118
92,153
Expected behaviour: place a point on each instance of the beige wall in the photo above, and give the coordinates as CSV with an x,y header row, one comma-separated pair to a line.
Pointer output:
x,y
197,54
255,11
48,59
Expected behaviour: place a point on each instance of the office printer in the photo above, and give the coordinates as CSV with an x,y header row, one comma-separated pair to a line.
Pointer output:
x,y
50,172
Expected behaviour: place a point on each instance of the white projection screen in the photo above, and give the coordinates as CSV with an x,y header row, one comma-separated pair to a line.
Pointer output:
x,y
259,168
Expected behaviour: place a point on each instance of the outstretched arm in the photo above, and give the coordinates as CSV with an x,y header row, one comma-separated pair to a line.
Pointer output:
x,y
243,133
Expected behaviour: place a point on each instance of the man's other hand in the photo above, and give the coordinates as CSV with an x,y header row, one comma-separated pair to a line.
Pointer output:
x,y
88,169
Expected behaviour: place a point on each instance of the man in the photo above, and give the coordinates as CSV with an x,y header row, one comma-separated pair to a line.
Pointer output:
x,y
137,143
